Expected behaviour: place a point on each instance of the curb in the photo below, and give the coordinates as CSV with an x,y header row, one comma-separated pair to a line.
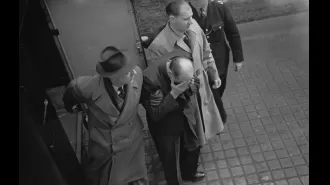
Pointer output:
x,y
267,16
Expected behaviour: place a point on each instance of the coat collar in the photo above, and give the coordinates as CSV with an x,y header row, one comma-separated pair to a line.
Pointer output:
x,y
131,99
171,36
175,38
104,102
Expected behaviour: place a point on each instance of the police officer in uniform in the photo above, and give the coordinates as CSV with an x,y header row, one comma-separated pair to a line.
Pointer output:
x,y
215,18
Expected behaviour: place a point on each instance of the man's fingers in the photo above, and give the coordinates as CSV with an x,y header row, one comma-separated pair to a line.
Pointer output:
x,y
216,84
172,83
185,84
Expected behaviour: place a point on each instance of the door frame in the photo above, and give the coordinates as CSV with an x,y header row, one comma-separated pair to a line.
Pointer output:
x,y
57,39
61,49
137,30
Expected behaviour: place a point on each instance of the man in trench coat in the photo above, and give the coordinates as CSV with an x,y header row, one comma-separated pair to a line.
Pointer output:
x,y
171,39
116,149
215,18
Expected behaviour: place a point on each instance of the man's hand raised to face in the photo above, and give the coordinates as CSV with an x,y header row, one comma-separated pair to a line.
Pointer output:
x,y
179,89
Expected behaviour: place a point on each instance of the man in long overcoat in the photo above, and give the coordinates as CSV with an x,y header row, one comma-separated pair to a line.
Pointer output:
x,y
116,149
215,18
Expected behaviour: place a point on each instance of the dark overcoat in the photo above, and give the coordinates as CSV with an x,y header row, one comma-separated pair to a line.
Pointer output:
x,y
218,27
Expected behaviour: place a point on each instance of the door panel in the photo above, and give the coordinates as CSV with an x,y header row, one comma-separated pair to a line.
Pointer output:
x,y
88,26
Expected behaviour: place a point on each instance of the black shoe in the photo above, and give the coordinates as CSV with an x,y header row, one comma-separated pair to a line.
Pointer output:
x,y
198,176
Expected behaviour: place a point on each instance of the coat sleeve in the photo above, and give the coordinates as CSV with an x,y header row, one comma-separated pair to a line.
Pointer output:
x,y
208,60
78,91
157,104
232,34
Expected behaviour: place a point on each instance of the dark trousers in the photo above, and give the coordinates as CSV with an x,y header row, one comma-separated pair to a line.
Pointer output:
x,y
217,94
168,155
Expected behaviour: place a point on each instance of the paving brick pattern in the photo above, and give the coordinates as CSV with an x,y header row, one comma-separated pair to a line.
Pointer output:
x,y
266,139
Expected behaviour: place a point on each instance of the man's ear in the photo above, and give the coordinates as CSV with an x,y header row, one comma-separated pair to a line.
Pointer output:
x,y
170,74
171,18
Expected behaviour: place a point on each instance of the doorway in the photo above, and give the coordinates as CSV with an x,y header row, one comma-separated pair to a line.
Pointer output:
x,y
41,68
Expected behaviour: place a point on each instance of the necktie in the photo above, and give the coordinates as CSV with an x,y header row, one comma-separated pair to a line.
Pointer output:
x,y
121,92
186,40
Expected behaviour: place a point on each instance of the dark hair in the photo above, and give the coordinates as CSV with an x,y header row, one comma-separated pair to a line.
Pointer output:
x,y
175,65
114,61
173,8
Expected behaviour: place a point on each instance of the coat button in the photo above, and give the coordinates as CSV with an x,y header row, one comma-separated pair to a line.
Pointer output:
x,y
220,27
207,37
206,30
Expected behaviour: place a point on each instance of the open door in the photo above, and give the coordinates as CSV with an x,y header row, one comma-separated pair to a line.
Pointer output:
x,y
85,27
41,68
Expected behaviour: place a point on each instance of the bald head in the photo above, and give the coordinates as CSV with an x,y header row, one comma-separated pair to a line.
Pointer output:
x,y
182,69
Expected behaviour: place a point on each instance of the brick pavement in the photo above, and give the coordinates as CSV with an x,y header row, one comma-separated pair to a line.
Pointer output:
x,y
266,139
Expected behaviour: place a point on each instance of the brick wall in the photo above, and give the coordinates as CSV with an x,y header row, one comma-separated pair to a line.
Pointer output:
x,y
151,13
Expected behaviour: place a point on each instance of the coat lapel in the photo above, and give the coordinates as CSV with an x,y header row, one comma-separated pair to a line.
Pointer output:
x,y
183,45
131,99
192,40
103,101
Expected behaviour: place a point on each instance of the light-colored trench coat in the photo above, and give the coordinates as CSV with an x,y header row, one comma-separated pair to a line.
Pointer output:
x,y
114,137
166,42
